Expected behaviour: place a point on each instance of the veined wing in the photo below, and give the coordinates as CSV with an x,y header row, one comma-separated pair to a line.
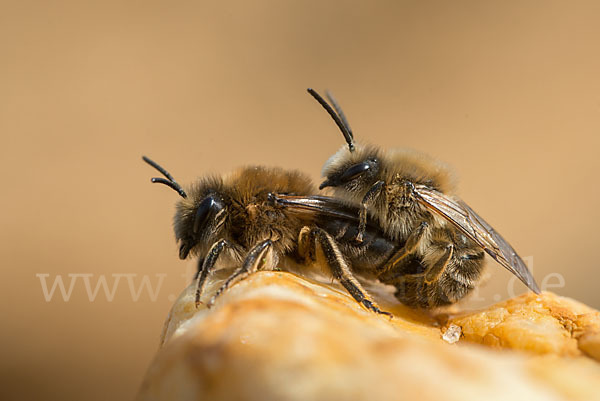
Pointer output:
x,y
323,205
478,230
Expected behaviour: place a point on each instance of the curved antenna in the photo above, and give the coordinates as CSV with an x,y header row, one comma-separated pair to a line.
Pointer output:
x,y
339,112
170,182
339,118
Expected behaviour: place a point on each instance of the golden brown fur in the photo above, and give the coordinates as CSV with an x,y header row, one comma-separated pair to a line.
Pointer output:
x,y
249,216
419,167
395,166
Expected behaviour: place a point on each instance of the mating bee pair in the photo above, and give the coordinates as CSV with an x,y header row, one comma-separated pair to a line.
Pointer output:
x,y
393,217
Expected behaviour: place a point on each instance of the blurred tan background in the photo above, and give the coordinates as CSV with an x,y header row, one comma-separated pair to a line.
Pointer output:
x,y
508,93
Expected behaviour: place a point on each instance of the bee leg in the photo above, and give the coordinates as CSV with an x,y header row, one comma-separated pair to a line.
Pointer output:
x,y
409,246
256,258
431,277
435,271
208,265
423,289
341,271
198,269
306,248
371,194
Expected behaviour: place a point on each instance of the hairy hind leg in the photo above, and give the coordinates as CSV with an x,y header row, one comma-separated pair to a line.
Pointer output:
x,y
410,246
423,289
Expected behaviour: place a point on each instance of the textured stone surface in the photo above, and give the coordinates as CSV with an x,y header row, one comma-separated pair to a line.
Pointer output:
x,y
277,336
542,324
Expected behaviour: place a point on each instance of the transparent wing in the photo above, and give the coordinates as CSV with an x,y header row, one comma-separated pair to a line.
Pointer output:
x,y
477,229
323,205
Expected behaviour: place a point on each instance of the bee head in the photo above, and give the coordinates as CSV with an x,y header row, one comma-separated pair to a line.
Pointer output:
x,y
199,216
352,172
199,220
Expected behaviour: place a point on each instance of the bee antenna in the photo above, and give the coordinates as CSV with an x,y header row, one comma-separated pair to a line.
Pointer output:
x,y
170,181
339,112
337,115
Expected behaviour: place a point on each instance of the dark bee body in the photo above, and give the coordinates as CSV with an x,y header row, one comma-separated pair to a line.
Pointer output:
x,y
340,220
385,259
411,197
365,257
239,218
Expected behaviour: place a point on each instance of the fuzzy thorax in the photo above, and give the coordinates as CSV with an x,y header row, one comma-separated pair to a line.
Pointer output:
x,y
237,208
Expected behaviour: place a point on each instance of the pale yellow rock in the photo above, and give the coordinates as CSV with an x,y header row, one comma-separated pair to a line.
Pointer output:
x,y
542,324
278,336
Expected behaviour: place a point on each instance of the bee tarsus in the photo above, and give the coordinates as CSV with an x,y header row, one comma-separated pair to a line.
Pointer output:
x,y
257,259
208,265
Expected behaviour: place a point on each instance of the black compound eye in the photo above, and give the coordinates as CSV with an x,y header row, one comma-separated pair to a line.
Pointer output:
x,y
203,211
354,172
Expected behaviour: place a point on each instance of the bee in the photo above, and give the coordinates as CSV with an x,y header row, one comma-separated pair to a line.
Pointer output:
x,y
411,197
240,218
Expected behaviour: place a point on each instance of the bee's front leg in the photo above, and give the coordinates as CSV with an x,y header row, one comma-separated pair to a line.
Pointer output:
x,y
371,194
256,259
208,265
